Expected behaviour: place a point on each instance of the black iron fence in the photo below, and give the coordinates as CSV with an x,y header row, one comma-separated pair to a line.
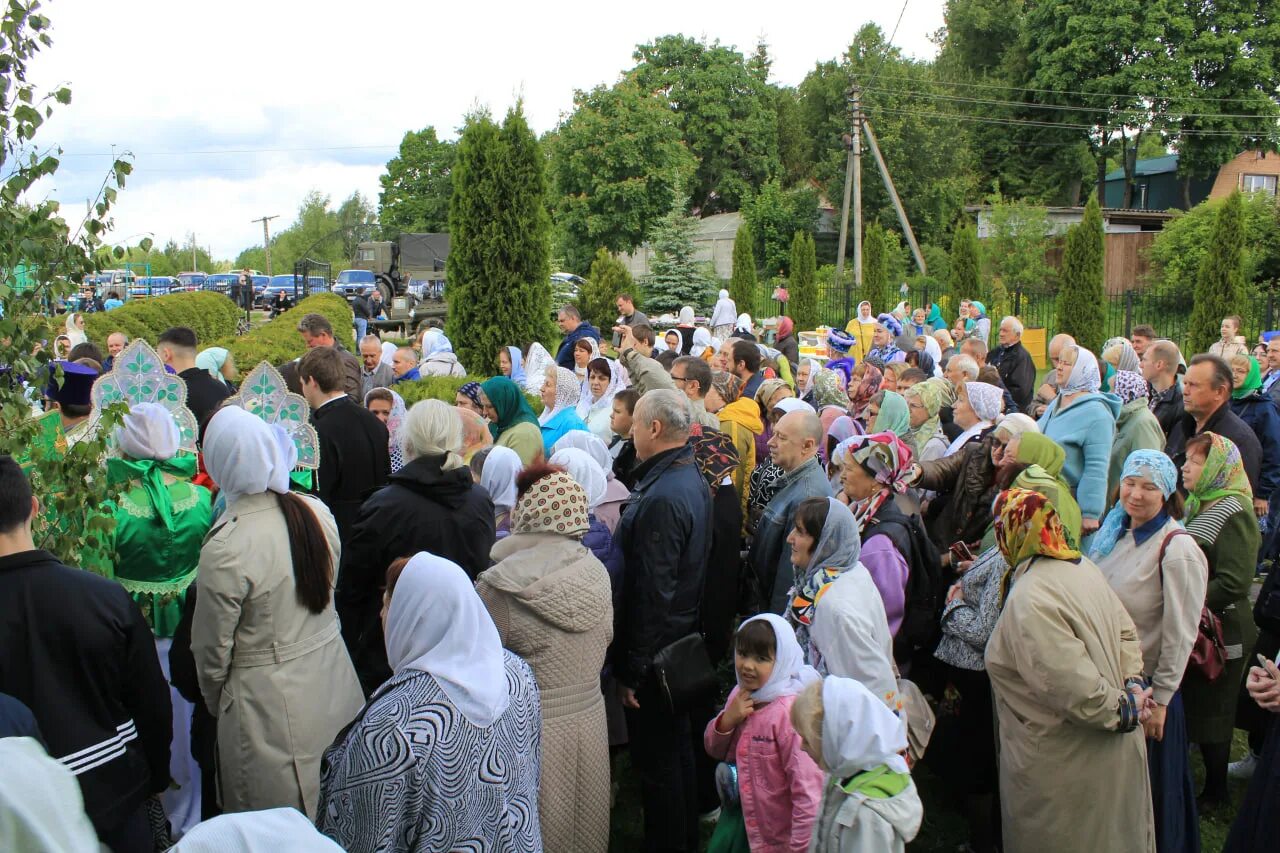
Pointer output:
x,y
1168,314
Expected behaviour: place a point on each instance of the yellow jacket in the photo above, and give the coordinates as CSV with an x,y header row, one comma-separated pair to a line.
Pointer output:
x,y
740,420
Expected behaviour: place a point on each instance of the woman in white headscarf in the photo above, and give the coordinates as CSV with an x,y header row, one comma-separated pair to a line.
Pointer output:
x,y
535,367
162,518
265,636
744,328
604,380
388,352
41,807
1082,418
869,801
704,346
388,407
218,363
552,602
437,356
609,508
445,755
75,329
498,471
722,317
270,831
560,393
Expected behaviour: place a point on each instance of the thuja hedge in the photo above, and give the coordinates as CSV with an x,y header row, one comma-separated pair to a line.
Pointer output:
x,y
210,315
446,388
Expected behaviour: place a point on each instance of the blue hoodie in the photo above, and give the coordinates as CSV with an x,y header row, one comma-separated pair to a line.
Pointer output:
x,y
1085,429
564,355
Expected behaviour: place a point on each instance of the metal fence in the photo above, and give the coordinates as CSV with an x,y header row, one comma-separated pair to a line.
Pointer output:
x,y
1168,314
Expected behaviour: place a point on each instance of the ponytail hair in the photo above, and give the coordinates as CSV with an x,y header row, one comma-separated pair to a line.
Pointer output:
x,y
309,550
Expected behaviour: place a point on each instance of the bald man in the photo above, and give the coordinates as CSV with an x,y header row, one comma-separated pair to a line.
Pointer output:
x,y
794,449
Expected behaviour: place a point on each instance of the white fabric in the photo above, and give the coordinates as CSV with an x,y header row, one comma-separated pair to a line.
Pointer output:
x,y
850,635
568,393
498,477
592,444
790,672
41,807
869,319
388,353
963,438
246,456
935,352
1017,424
76,335
701,342
282,830
685,317
617,381
148,431
985,400
744,324
794,404
725,311
535,368
181,801
585,470
858,731
434,341
1084,374
437,624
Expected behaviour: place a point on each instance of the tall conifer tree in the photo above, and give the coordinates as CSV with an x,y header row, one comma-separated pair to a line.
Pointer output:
x,y
1080,292
1220,289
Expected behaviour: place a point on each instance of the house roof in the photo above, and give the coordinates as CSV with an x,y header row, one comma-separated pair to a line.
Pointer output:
x,y
1153,166
719,226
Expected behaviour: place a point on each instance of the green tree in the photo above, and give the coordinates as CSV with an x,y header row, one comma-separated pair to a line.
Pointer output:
x,y
617,165
1181,246
499,255
963,280
743,283
803,307
675,279
1080,294
1015,246
724,112
1220,289
775,215
876,288
607,278
417,185
43,254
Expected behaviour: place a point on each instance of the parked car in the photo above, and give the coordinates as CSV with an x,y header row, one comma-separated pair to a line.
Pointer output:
x,y
156,285
287,284
351,283
192,280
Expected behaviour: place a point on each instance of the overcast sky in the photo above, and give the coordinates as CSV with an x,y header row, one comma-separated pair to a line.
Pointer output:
x,y
235,110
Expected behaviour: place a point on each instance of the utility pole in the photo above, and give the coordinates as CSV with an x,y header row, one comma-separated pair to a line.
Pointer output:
x,y
856,94
852,178
193,252
893,196
266,238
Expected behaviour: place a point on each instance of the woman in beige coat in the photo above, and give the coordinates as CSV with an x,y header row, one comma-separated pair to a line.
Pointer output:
x,y
551,600
269,655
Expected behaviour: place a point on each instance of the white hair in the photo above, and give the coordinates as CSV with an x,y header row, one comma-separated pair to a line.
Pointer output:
x,y
965,363
408,353
669,408
432,427
1013,323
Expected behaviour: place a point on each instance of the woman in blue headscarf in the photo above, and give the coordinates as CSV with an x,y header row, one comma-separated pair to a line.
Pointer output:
x,y
1160,575
511,364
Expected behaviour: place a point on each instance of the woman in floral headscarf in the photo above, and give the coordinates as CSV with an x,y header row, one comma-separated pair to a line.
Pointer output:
x,y
862,387
560,395
1160,575
1220,518
550,599
1066,671
1136,427
924,435
874,476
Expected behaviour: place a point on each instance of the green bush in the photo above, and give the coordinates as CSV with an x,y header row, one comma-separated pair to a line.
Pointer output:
x,y
278,341
210,315
445,388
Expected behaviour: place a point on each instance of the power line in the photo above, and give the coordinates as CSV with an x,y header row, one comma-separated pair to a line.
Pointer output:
x,y
1063,125
240,151
1112,95
888,45
1064,107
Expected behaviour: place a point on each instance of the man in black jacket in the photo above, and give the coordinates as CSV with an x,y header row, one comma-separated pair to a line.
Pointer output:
x,y
431,504
1011,359
1164,394
177,348
75,649
1206,395
355,459
317,331
665,538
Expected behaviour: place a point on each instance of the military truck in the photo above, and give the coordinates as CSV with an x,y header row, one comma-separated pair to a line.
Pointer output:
x,y
410,274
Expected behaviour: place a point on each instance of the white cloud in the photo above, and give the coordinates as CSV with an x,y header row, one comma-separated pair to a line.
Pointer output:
x,y
168,78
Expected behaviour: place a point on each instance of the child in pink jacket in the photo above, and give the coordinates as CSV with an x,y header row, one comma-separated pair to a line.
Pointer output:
x,y
778,786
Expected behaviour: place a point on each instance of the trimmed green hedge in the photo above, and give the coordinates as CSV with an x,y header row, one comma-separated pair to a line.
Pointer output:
x,y
445,388
278,340
210,315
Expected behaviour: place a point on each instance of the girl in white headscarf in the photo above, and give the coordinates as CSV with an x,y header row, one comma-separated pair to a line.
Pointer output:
x,y
265,636
869,801
459,714
498,472
722,317
75,329
769,787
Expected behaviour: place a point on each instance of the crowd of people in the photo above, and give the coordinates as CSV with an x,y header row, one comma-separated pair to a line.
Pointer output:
x,y
780,583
